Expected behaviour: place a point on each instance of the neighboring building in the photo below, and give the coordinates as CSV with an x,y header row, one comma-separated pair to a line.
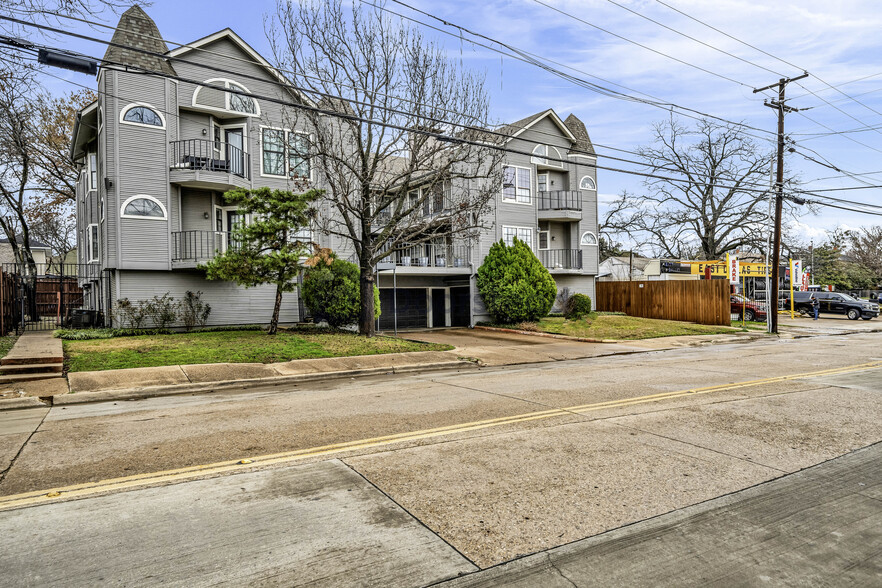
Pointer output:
x,y
157,154
40,251
624,268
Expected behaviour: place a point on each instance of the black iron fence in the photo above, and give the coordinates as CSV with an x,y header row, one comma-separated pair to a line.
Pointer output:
x,y
198,245
49,296
561,258
430,255
216,156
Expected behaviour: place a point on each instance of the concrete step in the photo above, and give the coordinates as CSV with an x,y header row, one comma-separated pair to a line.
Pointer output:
x,y
21,360
28,377
32,368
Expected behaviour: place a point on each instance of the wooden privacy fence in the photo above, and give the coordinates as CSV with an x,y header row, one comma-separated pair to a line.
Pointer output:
x,y
697,301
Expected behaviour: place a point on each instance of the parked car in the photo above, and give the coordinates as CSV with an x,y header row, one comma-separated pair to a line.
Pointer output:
x,y
744,307
835,303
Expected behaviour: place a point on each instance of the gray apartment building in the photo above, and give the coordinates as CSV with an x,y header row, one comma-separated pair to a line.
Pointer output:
x,y
157,153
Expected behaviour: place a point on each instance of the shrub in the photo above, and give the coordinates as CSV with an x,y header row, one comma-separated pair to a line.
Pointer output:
x,y
514,284
194,312
83,334
162,310
331,291
577,306
130,312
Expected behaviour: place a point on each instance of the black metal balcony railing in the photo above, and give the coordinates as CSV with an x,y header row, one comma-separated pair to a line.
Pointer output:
x,y
430,255
561,258
208,155
198,245
560,200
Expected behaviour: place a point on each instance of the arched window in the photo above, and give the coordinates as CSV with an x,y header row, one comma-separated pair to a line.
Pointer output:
x,y
142,114
212,94
588,238
143,207
587,183
539,155
241,103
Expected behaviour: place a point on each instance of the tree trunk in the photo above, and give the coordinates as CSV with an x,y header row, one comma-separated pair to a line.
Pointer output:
x,y
274,322
366,324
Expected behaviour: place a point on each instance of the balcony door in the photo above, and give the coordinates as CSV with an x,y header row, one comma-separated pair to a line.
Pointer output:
x,y
235,139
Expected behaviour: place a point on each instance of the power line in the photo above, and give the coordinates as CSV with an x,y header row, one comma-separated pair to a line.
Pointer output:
x,y
437,135
691,38
607,31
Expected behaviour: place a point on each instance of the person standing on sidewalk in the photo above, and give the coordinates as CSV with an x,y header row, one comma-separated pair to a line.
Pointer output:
x,y
816,306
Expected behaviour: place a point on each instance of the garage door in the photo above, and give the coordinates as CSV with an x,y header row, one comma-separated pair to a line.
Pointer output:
x,y
412,308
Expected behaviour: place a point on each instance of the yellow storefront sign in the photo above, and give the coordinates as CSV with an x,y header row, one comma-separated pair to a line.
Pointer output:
x,y
718,268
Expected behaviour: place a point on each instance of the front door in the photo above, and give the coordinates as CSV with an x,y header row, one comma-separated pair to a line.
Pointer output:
x,y
439,305
236,151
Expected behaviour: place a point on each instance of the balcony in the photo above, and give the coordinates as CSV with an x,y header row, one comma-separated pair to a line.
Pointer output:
x,y
217,165
192,248
561,260
430,258
560,205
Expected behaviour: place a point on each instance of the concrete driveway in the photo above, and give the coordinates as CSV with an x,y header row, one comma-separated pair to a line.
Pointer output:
x,y
827,324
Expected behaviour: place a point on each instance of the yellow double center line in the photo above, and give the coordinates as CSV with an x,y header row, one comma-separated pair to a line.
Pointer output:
x,y
188,473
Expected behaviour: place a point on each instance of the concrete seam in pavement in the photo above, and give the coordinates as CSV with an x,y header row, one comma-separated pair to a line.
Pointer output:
x,y
20,449
693,509
410,514
557,569
644,431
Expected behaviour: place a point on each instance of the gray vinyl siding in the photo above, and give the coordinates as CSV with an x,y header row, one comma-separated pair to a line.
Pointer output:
x,y
230,304
143,169
107,84
194,205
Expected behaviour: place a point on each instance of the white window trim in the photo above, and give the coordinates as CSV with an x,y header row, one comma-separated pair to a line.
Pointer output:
x,y
547,181
89,186
90,236
137,217
515,199
594,189
582,240
226,109
122,115
559,158
539,240
516,227
285,140
539,158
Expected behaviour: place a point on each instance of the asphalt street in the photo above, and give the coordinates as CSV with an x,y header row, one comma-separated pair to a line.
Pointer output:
x,y
494,463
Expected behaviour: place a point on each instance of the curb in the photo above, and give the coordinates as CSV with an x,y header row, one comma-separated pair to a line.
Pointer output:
x,y
24,402
202,387
549,335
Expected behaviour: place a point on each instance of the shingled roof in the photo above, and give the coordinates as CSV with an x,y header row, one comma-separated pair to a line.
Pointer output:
x,y
136,29
577,128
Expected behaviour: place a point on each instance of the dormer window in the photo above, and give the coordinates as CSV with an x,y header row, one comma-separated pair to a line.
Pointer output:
x,y
142,114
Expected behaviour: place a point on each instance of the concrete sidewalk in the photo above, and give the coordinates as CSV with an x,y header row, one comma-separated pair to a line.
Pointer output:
x,y
821,527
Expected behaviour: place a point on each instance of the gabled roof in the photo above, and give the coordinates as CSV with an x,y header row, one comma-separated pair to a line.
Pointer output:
x,y
136,29
231,35
516,128
34,243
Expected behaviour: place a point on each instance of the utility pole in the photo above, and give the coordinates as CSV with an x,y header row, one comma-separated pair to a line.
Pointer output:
x,y
782,109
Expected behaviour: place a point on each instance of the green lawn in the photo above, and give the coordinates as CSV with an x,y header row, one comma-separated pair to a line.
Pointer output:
x,y
620,326
6,344
227,347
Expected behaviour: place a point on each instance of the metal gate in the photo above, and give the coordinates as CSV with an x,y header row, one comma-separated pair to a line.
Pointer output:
x,y
51,296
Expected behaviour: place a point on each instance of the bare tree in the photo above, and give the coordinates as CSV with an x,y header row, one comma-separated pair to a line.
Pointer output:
x,y
865,249
17,140
718,203
392,173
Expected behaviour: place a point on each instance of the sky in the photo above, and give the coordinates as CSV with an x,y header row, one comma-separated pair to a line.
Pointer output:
x,y
837,42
